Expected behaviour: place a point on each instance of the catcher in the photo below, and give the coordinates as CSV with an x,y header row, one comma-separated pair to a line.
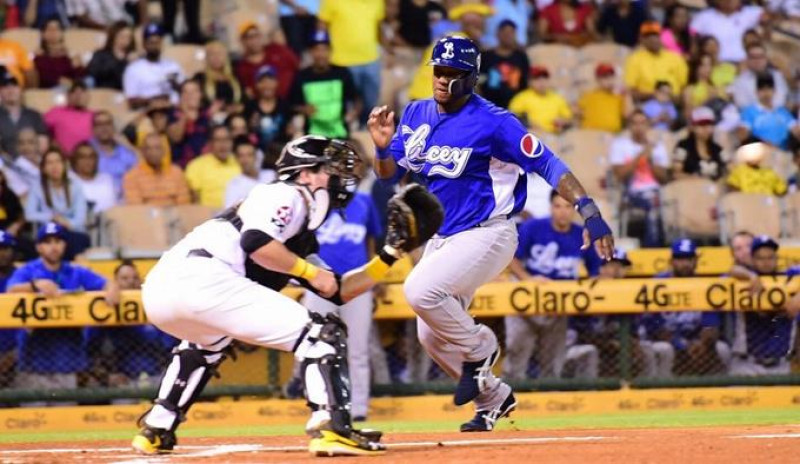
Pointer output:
x,y
221,282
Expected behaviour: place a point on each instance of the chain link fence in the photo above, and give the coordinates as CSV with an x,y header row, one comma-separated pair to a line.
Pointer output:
x,y
97,365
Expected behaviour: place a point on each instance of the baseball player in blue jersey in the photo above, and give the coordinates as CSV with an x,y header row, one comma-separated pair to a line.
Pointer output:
x,y
346,242
549,249
763,342
474,156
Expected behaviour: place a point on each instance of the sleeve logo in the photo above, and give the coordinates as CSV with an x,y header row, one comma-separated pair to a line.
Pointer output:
x,y
282,217
530,146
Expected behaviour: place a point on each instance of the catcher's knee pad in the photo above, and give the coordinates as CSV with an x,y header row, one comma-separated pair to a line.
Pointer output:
x,y
322,352
187,374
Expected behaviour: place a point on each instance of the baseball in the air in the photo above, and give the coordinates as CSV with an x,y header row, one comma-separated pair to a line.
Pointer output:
x,y
752,153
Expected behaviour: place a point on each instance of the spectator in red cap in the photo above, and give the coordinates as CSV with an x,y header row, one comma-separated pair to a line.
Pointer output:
x,y
602,108
567,22
539,106
698,155
256,53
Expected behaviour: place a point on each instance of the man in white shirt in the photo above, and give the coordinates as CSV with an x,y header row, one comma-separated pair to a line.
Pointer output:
x,y
641,166
240,186
727,22
151,76
743,88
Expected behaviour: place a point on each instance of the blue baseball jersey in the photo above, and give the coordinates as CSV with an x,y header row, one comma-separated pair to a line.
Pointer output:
x,y
55,350
137,350
763,335
343,240
8,337
683,326
475,159
556,255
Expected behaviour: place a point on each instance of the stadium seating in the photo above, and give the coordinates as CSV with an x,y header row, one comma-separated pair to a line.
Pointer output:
x,y
586,152
43,100
364,144
123,231
112,101
759,214
184,218
28,37
606,52
191,58
689,208
792,214
84,42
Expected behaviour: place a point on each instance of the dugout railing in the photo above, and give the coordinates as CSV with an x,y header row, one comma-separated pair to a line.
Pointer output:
x,y
622,304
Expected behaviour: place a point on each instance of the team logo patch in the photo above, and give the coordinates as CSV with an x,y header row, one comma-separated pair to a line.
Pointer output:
x,y
282,217
448,50
530,146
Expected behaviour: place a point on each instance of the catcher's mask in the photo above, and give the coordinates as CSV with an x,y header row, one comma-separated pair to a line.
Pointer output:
x,y
335,157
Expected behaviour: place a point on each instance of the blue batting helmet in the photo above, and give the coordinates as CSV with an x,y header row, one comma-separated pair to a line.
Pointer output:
x,y
458,53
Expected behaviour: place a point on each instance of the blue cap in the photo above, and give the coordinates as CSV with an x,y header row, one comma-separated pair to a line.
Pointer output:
x,y
761,241
620,256
684,248
153,29
266,71
7,240
51,229
320,37
505,23
456,52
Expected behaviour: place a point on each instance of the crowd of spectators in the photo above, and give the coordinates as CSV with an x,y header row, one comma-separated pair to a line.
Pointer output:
x,y
712,78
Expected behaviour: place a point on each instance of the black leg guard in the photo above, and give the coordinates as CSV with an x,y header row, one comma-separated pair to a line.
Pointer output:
x,y
322,351
183,382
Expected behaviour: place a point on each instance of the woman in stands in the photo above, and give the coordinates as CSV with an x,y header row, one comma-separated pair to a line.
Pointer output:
x,y
698,155
220,86
701,90
189,124
97,187
58,198
108,64
722,73
53,63
675,34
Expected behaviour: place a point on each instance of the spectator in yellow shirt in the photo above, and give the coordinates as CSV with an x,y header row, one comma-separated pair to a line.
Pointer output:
x,y
539,106
354,27
208,175
602,108
751,177
650,63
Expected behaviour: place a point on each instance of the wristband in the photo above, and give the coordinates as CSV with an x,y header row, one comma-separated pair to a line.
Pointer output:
x,y
378,266
587,208
303,269
382,153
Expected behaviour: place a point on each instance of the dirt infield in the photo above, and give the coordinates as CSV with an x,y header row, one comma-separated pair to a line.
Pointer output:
x,y
728,445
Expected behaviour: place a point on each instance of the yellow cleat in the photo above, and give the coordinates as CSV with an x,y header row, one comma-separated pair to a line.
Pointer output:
x,y
151,441
332,444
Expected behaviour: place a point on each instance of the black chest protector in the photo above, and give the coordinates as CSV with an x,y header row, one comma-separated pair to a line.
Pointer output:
x,y
303,244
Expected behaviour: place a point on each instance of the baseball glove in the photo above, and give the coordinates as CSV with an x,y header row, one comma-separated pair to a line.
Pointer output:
x,y
414,215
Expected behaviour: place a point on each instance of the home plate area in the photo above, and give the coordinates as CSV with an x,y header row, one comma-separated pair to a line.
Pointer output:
x,y
728,445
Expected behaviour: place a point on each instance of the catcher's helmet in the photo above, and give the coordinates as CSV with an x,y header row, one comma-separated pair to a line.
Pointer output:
x,y
458,53
336,157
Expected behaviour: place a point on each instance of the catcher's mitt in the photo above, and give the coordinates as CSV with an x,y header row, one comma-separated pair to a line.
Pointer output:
x,y
414,215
